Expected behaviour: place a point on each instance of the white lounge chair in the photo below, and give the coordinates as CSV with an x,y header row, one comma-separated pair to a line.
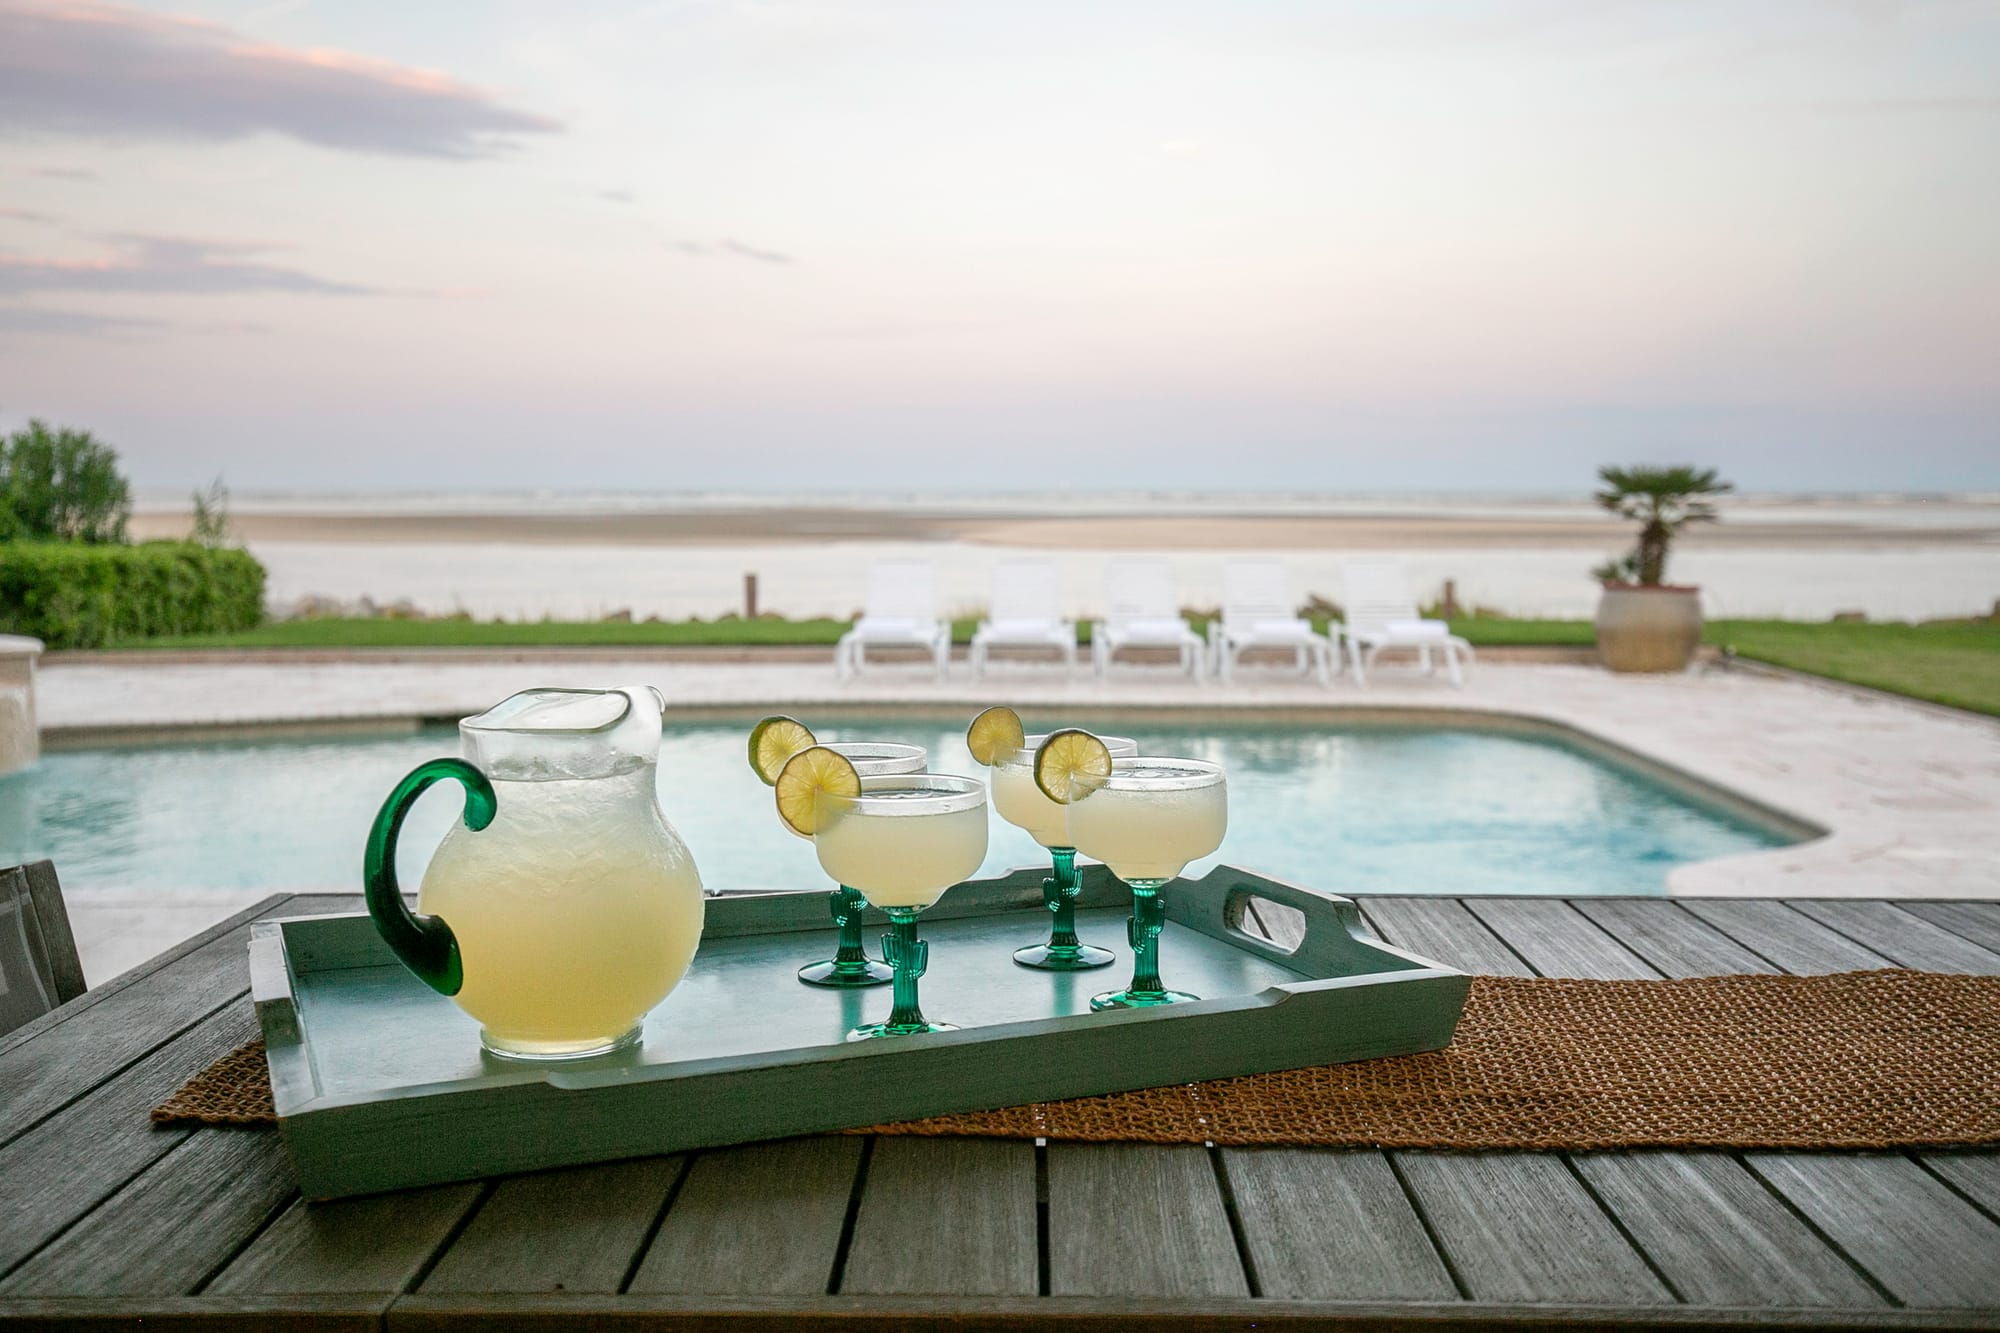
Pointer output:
x,y
1257,612
1027,613
901,612
1381,613
1140,611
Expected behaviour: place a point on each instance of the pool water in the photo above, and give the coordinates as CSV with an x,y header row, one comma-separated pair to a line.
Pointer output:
x,y
1345,808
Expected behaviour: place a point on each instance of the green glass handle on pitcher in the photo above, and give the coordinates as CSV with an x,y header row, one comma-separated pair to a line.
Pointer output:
x,y
424,943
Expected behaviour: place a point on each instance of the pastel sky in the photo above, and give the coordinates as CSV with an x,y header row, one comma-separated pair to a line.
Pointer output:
x,y
781,244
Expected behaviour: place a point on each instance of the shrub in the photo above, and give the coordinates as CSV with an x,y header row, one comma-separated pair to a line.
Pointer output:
x,y
72,596
61,485
1662,500
211,516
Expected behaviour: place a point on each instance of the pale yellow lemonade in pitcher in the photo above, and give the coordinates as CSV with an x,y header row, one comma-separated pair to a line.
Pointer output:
x,y
563,906
568,870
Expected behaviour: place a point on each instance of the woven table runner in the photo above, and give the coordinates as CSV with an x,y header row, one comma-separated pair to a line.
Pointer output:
x,y
1889,1059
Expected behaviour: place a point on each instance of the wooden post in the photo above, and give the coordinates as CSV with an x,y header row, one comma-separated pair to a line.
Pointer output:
x,y
1449,610
749,596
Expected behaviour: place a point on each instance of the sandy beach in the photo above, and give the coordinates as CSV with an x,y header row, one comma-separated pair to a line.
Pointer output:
x,y
1217,530
585,556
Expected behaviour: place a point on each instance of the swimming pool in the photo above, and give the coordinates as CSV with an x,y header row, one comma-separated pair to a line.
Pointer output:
x,y
1349,807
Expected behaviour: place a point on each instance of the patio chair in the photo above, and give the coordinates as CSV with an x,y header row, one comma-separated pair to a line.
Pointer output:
x,y
1026,614
1257,612
1140,611
39,968
901,612
1381,613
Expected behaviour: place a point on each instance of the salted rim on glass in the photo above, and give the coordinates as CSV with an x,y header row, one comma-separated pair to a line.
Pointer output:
x,y
1154,773
917,794
879,758
1025,756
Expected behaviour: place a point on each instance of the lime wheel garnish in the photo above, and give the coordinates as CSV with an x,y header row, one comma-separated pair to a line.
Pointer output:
x,y
773,741
994,734
1064,758
805,776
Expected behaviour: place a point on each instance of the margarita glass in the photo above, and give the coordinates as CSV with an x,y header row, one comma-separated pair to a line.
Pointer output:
x,y
850,965
902,842
1146,820
1021,803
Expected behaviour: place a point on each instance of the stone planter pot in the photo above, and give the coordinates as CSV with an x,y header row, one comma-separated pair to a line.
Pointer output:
x,y
1648,628
20,742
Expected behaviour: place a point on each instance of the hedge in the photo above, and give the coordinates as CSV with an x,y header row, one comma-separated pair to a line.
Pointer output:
x,y
72,596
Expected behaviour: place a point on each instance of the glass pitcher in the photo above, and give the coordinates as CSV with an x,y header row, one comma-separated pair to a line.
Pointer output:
x,y
563,906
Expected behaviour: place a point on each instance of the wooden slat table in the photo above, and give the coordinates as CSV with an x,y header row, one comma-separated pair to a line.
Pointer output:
x,y
104,1218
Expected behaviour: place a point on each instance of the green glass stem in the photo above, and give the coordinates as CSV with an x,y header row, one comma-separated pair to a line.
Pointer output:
x,y
1149,915
909,956
1064,952
847,907
1059,896
850,965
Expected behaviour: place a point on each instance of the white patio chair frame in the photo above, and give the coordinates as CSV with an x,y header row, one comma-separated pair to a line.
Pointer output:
x,y
1141,611
1381,614
1026,613
1257,612
901,612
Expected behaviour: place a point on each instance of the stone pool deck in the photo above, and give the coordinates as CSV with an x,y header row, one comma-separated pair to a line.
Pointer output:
x,y
1909,794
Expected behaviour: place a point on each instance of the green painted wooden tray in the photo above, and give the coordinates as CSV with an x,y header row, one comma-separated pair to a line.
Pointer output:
x,y
380,1083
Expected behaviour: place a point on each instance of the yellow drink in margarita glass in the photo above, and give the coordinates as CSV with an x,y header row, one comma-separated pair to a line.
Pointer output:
x,y
900,844
1021,803
850,966
1146,820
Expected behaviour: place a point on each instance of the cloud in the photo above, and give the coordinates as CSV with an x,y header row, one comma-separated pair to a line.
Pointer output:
x,y
618,196
730,249
79,66
26,215
75,323
39,321
63,173
166,264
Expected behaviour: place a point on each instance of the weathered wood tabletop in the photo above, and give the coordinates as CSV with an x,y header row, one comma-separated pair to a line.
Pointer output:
x,y
104,1217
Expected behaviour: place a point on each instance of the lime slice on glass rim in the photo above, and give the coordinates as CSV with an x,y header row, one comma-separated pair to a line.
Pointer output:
x,y
805,775
1065,756
993,734
773,741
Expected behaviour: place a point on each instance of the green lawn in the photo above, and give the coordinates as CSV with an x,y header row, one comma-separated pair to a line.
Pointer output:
x,y
1950,662
1953,662
1498,632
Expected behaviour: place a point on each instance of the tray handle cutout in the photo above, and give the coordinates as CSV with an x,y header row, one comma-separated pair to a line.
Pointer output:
x,y
1267,920
1296,927
1267,925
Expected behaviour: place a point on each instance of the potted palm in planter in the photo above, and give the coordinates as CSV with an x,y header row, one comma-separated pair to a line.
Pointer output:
x,y
1645,623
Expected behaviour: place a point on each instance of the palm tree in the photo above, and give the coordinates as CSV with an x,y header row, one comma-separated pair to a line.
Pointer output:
x,y
1661,499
